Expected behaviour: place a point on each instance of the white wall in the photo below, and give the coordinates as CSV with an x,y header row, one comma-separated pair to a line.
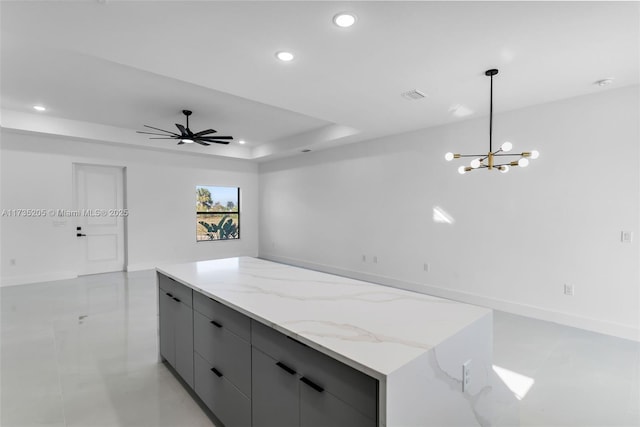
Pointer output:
x,y
516,239
37,172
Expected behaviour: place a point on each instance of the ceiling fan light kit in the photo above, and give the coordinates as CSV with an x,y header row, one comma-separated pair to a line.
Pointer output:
x,y
186,136
494,159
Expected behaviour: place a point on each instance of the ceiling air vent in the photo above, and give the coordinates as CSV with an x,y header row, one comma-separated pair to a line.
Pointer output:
x,y
414,94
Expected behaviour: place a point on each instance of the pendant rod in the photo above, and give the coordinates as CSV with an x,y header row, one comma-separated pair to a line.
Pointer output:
x,y
491,117
492,72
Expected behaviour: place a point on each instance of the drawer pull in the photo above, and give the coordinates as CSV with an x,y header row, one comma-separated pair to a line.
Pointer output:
x,y
216,324
311,384
169,295
218,373
286,368
176,299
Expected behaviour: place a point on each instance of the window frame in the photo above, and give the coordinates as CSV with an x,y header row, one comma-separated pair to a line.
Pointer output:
x,y
235,212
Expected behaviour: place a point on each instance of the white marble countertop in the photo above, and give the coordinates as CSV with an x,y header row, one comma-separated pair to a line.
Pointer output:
x,y
373,328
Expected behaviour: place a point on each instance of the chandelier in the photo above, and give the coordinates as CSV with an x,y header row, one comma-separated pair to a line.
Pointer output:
x,y
494,159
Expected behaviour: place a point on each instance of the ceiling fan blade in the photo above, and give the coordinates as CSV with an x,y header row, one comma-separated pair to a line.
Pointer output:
x,y
151,133
215,137
204,132
182,129
168,137
162,130
201,143
217,142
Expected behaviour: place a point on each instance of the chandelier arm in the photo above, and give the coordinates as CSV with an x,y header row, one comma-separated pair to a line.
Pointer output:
x,y
514,154
471,155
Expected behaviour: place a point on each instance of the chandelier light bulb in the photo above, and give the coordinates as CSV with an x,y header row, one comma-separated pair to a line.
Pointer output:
x,y
448,157
475,163
461,170
506,146
534,154
504,169
523,163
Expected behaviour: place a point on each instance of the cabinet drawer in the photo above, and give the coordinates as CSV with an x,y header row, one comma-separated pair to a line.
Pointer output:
x,y
350,385
165,283
177,290
322,409
275,344
223,350
236,322
227,402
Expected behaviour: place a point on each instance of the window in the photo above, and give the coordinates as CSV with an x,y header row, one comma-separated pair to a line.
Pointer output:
x,y
217,213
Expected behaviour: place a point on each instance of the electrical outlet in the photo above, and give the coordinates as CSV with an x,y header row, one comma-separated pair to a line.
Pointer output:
x,y
626,236
568,289
426,267
364,258
375,259
466,375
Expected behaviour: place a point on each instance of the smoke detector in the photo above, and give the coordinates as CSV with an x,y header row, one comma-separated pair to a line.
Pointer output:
x,y
413,95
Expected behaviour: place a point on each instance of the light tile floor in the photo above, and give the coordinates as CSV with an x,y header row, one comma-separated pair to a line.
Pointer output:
x,y
83,352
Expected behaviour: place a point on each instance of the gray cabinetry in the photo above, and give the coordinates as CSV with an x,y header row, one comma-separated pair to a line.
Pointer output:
x,y
167,326
223,350
223,361
176,326
294,385
275,388
224,399
319,408
249,374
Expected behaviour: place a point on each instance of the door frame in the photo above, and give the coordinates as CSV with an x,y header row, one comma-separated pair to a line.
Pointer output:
x,y
74,198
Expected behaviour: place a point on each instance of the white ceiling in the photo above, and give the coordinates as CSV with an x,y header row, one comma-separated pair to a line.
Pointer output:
x,y
105,68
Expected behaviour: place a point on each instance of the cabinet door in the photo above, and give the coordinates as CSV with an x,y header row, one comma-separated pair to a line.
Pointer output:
x,y
167,342
183,321
275,400
319,408
228,404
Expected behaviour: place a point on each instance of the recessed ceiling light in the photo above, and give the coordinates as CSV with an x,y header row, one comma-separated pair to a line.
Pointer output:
x,y
604,82
39,108
242,141
344,19
284,56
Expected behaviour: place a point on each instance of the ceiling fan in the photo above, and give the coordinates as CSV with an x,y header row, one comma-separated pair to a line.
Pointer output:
x,y
186,136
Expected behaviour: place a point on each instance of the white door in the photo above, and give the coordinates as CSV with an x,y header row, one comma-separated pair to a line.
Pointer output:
x,y
101,215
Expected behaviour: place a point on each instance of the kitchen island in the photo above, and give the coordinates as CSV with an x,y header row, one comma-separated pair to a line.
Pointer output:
x,y
268,344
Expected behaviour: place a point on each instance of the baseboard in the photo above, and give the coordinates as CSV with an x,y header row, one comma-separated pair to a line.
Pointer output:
x,y
595,325
142,266
36,278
